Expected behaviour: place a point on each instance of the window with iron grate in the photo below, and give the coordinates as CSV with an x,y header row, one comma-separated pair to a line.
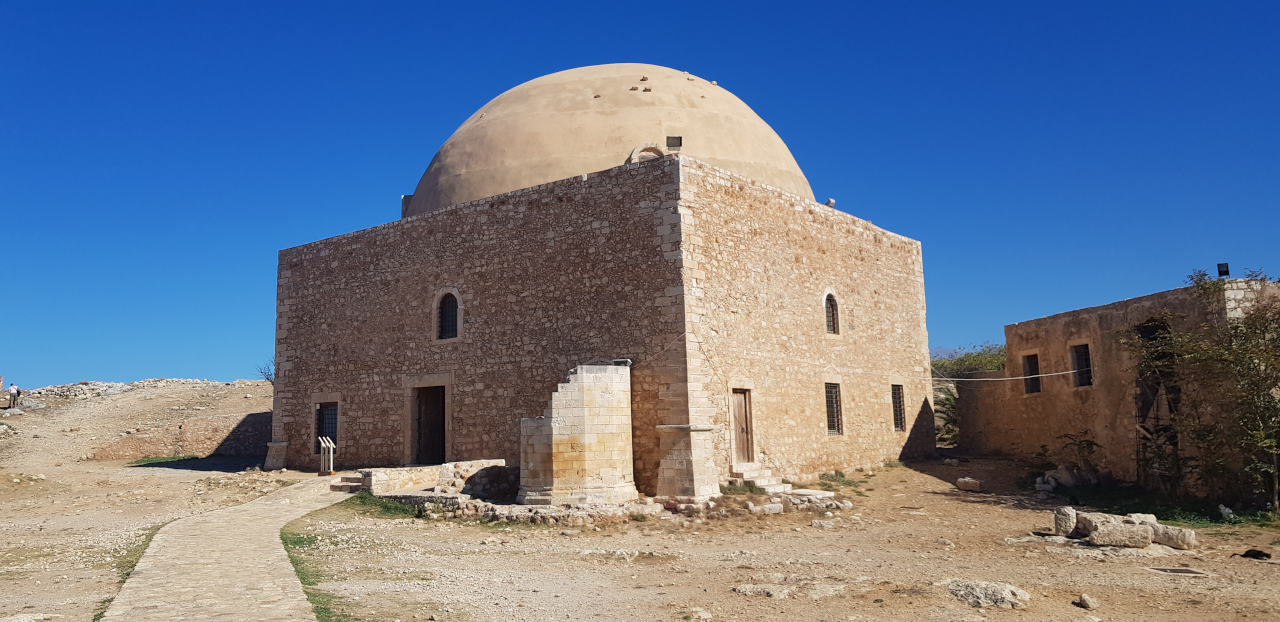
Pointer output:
x,y
447,317
899,408
835,422
326,422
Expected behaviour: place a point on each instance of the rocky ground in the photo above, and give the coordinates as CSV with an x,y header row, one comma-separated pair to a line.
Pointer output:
x,y
911,548
70,523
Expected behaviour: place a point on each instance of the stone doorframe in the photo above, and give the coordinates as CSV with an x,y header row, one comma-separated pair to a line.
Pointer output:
x,y
410,383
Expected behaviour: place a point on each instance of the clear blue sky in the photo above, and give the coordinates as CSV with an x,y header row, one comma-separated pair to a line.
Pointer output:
x,y
154,156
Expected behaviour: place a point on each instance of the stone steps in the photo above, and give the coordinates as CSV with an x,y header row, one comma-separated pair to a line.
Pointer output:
x,y
751,474
348,483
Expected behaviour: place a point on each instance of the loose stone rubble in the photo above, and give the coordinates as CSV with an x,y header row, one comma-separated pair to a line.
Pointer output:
x,y
969,484
1131,531
95,388
988,593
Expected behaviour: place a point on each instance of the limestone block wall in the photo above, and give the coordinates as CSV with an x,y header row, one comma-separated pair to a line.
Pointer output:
x,y
452,475
758,265
548,278
579,451
1002,418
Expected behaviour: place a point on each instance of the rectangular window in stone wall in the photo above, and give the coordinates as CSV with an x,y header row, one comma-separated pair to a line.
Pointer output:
x,y
1031,369
326,422
835,424
899,409
1081,365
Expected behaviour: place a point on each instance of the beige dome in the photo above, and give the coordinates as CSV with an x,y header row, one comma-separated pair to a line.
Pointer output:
x,y
594,118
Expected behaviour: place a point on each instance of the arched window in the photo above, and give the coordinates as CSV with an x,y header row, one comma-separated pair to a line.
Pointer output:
x,y
447,317
833,315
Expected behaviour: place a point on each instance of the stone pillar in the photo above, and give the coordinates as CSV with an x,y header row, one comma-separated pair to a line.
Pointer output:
x,y
687,471
579,451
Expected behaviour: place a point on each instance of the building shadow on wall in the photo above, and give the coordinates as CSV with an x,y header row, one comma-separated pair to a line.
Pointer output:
x,y
249,438
921,439
244,446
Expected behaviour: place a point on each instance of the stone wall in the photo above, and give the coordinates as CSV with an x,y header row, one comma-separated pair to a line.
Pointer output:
x,y
579,451
448,477
706,280
1002,418
581,270
759,264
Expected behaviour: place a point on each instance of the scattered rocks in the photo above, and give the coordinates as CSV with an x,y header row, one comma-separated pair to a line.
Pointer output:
x,y
969,484
772,590
951,462
1131,531
988,593
1087,602
823,524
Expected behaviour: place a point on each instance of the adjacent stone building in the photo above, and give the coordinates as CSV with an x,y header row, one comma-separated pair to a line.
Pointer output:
x,y
627,216
1072,392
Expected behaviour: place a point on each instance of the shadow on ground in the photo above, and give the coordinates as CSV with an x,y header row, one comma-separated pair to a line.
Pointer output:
x,y
1003,480
222,464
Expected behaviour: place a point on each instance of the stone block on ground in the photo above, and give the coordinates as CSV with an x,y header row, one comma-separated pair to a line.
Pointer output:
x,y
1089,522
1120,534
1174,537
1064,520
1140,519
969,484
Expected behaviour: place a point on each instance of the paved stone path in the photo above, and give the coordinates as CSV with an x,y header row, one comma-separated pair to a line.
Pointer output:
x,y
227,564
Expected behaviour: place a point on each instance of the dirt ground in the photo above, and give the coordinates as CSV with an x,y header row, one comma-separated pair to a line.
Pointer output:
x,y
883,560
69,524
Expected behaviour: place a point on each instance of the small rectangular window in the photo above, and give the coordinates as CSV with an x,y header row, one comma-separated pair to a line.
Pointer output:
x,y
326,422
1031,369
899,409
835,423
1081,365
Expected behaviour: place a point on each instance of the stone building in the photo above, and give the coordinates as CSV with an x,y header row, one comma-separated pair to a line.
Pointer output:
x,y
1092,402
626,216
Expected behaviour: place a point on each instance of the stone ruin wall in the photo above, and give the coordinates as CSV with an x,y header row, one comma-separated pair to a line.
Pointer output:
x,y
579,451
759,263
999,417
575,271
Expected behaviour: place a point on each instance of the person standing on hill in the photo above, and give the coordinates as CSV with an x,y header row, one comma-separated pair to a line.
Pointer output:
x,y
14,394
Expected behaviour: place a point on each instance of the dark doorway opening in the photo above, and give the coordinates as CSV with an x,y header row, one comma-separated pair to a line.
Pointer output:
x,y
1158,400
429,414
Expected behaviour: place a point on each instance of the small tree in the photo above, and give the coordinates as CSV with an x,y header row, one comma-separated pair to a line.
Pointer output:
x,y
267,370
1229,369
958,364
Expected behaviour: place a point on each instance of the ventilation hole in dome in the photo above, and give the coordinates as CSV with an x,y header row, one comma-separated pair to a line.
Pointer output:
x,y
648,90
635,88
644,78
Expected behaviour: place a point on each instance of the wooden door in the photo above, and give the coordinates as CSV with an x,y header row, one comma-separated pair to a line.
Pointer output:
x,y
430,415
740,404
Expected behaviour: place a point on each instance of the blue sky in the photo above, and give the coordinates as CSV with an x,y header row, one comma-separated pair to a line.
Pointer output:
x,y
154,156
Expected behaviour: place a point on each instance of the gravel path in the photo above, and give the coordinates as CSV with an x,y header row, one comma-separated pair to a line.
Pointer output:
x,y
226,564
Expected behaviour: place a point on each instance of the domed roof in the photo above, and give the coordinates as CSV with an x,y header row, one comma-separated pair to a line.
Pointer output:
x,y
593,118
